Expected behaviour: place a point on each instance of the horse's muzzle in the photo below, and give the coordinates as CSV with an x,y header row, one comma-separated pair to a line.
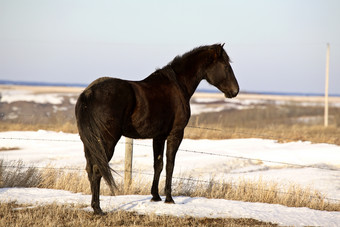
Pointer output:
x,y
231,94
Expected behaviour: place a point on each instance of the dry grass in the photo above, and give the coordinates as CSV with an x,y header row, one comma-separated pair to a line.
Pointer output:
x,y
283,123
9,148
71,181
266,192
68,126
242,190
12,214
14,174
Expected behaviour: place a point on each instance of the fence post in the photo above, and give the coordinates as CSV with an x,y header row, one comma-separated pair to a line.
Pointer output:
x,y
128,162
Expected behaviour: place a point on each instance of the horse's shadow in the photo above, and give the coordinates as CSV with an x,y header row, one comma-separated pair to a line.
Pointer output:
x,y
132,204
187,200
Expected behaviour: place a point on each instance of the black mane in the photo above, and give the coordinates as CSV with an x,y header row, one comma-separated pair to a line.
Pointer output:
x,y
191,53
204,52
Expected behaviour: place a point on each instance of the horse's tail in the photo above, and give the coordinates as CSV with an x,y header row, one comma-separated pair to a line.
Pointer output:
x,y
91,129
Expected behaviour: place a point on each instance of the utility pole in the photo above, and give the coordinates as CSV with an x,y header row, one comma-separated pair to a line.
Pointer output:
x,y
326,87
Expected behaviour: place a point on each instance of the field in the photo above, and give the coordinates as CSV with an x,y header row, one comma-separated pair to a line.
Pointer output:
x,y
282,118
265,149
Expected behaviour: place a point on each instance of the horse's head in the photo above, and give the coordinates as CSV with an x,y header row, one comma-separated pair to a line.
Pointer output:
x,y
219,72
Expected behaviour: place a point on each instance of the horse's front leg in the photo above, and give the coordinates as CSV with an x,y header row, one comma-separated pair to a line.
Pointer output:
x,y
158,151
173,143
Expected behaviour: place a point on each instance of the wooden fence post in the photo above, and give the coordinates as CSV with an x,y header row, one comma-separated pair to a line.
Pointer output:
x,y
128,162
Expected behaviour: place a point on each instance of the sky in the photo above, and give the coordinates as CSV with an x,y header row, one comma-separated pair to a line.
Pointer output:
x,y
275,46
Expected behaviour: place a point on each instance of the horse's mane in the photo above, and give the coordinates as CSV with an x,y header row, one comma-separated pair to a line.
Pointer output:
x,y
202,54
194,51
205,52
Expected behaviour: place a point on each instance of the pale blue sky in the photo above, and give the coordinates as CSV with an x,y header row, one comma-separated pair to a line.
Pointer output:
x,y
277,46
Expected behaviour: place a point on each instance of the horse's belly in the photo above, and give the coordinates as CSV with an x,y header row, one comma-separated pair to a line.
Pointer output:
x,y
147,129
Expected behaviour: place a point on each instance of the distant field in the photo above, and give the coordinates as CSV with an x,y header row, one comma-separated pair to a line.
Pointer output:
x,y
283,118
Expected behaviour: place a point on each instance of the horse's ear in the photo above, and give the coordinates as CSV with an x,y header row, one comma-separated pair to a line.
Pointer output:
x,y
217,51
220,51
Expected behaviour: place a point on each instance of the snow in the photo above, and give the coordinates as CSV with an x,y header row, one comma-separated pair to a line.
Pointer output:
x,y
11,96
316,166
43,148
197,109
185,206
201,159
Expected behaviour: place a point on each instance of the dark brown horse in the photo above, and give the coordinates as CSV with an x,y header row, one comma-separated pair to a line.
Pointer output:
x,y
156,107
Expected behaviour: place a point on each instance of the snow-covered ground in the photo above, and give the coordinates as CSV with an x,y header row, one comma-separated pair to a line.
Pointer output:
x,y
185,206
315,166
215,102
229,160
10,96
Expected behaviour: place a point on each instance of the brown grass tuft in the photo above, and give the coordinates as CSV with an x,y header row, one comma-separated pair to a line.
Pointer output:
x,y
14,174
9,148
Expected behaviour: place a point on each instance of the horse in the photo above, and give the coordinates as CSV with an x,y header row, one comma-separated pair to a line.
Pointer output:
x,y
156,107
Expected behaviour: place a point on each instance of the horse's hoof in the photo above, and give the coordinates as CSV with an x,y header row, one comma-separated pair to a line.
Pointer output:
x,y
156,199
170,201
99,212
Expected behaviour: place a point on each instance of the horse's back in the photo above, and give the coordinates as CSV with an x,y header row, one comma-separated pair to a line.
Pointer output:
x,y
108,99
105,88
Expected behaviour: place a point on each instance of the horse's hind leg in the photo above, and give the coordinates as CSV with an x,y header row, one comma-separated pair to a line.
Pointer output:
x,y
94,178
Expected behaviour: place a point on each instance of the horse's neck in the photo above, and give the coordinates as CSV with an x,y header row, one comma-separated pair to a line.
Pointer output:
x,y
189,80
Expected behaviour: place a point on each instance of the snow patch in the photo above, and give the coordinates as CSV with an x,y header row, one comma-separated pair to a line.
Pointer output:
x,y
11,96
185,206
223,159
